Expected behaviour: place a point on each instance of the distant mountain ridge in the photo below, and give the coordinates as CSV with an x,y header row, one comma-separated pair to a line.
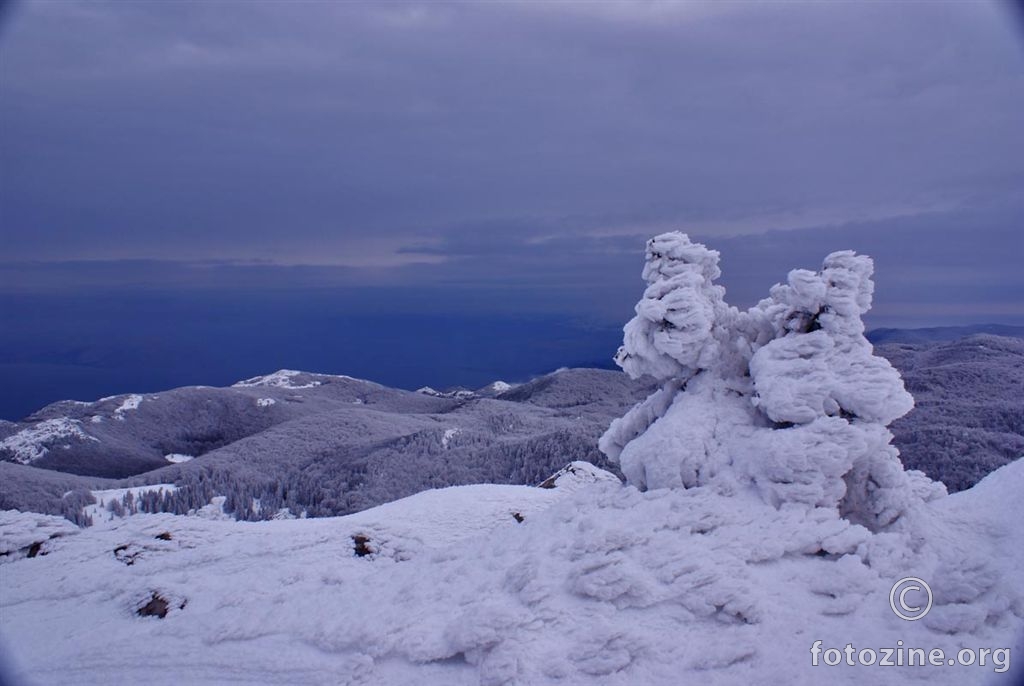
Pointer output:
x,y
314,444
941,334
967,396
318,444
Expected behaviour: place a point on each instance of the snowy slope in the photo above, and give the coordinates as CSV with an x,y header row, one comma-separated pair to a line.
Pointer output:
x,y
101,509
33,443
600,584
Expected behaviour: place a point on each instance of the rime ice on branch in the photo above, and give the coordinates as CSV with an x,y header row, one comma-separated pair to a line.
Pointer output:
x,y
786,398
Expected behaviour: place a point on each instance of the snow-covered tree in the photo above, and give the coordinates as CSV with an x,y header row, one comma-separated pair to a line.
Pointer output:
x,y
679,330
786,397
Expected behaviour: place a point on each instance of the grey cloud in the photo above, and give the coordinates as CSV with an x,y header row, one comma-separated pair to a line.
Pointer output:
x,y
946,267
275,129
512,146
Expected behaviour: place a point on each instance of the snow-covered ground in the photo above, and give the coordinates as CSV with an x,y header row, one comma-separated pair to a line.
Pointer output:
x,y
19,531
599,584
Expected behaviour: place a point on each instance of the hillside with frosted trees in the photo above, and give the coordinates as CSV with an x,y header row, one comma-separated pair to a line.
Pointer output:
x,y
297,444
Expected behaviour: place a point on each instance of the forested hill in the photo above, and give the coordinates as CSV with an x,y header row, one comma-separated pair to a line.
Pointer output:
x,y
325,445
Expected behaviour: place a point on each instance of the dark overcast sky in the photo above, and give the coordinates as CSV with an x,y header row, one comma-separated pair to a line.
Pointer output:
x,y
386,133
512,155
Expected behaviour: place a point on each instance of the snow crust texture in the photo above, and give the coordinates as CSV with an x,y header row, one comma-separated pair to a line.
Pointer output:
x,y
785,398
589,582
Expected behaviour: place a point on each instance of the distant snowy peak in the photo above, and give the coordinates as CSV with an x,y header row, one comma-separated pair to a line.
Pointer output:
x,y
283,378
295,380
495,388
32,443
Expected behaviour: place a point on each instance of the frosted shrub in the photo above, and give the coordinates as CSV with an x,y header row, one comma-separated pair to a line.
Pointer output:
x,y
786,398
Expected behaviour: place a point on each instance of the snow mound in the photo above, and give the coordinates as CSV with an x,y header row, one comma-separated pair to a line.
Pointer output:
x,y
32,443
578,474
21,531
178,458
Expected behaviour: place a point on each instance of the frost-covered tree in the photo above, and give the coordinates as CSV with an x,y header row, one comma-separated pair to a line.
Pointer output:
x,y
679,320
678,331
786,397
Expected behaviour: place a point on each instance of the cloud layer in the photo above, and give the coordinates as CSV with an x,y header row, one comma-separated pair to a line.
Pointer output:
x,y
515,145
